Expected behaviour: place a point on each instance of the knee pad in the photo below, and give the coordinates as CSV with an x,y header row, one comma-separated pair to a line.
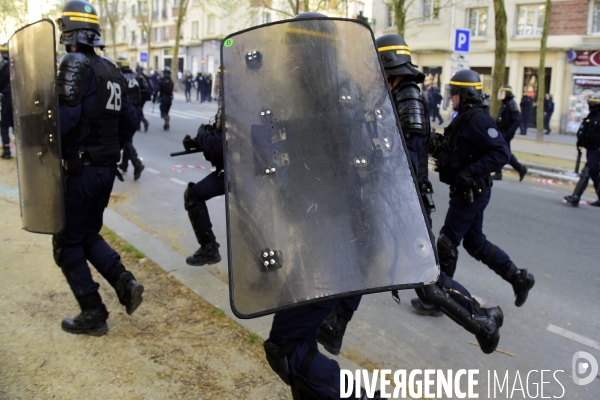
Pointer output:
x,y
278,361
56,248
189,197
448,253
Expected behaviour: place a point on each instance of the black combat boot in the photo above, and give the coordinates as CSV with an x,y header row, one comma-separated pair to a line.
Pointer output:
x,y
490,319
129,291
146,124
92,318
522,172
595,203
138,167
497,176
5,152
425,309
331,331
522,282
206,254
167,126
572,200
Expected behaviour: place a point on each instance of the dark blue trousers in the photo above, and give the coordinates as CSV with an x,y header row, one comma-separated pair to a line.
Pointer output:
x,y
211,186
165,105
464,223
7,120
86,197
299,326
593,164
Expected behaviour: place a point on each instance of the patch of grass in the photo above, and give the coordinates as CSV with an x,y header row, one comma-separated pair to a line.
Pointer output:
x,y
217,312
127,248
108,234
253,337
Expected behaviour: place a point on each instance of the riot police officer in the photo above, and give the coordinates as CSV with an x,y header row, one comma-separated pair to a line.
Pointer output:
x,y
189,84
403,78
509,119
470,150
134,95
7,109
146,92
95,118
165,94
210,141
588,137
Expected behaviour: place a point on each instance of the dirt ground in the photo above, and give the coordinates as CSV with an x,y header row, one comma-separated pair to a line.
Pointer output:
x,y
175,346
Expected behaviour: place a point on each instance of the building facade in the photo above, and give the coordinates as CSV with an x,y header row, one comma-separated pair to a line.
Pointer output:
x,y
572,57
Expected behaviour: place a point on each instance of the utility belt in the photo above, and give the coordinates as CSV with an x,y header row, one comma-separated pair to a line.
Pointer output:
x,y
477,189
75,162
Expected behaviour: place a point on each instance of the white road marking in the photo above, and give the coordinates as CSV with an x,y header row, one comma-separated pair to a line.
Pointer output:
x,y
152,170
177,181
543,190
574,336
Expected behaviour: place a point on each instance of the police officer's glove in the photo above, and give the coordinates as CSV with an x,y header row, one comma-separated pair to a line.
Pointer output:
x,y
464,180
189,144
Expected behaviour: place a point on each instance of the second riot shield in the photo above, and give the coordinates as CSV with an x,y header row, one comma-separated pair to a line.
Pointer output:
x,y
321,200
37,134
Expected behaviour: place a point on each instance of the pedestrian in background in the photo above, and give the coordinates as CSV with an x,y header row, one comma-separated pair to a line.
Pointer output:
x,y
435,98
548,110
526,104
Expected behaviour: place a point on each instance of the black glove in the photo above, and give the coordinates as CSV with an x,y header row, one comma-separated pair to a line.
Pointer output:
x,y
464,180
189,144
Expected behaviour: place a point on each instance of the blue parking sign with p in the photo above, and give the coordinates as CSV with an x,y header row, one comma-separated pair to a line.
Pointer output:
x,y
143,56
462,40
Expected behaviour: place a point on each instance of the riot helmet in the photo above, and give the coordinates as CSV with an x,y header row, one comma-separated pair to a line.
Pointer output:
x,y
79,24
395,57
594,102
4,51
467,84
505,92
167,72
123,64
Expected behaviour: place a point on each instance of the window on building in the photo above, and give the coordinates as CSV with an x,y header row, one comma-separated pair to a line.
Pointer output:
x,y
210,24
143,7
390,16
133,38
144,37
266,18
478,21
195,30
124,9
155,9
163,12
133,13
156,35
165,33
530,19
596,17
430,10
124,33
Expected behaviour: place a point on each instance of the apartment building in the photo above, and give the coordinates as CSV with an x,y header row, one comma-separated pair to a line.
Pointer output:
x,y
572,58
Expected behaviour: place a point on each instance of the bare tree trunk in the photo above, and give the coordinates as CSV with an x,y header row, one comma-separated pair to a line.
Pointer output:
x,y
498,76
539,135
181,11
147,27
400,16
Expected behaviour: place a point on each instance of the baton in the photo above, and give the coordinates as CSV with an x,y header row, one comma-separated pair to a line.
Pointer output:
x,y
578,162
181,153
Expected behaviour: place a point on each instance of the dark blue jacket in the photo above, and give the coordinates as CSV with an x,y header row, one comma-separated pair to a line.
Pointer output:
x,y
509,118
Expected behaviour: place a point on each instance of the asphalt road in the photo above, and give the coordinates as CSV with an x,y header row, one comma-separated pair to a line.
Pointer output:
x,y
557,243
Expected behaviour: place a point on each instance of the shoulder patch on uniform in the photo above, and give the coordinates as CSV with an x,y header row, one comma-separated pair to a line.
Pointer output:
x,y
492,132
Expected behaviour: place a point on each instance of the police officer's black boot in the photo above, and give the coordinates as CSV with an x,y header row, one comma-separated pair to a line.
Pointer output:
x,y
522,282
490,320
128,290
138,167
124,161
208,253
167,126
584,179
5,152
146,124
92,318
331,332
497,176
522,172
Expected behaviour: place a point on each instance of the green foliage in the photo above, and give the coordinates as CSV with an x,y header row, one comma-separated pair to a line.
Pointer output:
x,y
127,248
253,337
217,312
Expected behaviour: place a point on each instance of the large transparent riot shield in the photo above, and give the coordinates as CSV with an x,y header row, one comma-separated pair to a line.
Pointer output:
x,y
37,134
321,201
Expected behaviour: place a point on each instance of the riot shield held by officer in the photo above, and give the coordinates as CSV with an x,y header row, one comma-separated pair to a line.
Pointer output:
x,y
95,121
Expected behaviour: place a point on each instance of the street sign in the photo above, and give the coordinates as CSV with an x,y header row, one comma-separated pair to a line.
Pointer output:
x,y
458,65
462,40
460,57
143,56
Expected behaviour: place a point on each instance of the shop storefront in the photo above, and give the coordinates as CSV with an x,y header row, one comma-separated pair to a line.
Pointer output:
x,y
585,72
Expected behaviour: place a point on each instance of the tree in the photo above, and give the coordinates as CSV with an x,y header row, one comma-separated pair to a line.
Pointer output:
x,y
147,21
182,6
499,75
13,13
109,13
541,91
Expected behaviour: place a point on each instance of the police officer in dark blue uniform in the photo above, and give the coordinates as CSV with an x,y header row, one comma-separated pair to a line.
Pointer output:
x,y
134,95
146,92
155,80
509,119
95,118
403,78
470,150
588,137
7,108
189,84
165,94
210,141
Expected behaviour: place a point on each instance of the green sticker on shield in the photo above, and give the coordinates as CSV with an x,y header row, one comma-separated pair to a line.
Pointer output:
x,y
228,42
88,9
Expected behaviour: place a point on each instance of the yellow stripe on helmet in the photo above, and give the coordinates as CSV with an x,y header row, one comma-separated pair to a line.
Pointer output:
x,y
3,48
78,14
593,100
92,21
476,85
403,52
398,47
506,89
